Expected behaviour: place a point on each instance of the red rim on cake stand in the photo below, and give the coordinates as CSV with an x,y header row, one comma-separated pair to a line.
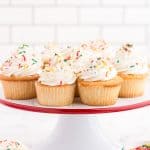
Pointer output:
x,y
78,127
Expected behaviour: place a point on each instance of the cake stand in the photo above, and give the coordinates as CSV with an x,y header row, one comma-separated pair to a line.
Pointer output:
x,y
78,127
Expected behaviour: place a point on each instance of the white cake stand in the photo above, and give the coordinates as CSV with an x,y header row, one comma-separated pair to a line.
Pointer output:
x,y
78,127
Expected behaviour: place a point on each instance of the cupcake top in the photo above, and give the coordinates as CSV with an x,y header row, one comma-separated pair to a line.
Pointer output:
x,y
11,145
57,71
49,50
22,62
129,62
80,58
98,69
99,47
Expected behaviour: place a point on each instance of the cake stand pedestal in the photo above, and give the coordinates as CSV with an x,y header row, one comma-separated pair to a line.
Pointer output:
x,y
78,132
78,127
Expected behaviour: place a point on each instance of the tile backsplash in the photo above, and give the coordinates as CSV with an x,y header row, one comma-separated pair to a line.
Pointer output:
x,y
72,21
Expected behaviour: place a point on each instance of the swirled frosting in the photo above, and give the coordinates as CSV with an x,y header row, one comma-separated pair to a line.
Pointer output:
x,y
22,62
129,62
100,47
98,69
11,145
57,71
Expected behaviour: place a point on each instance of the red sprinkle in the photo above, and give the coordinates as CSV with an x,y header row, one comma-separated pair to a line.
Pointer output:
x,y
77,54
60,82
19,66
24,58
68,58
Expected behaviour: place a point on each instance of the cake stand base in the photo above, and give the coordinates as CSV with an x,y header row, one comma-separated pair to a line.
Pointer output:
x,y
77,132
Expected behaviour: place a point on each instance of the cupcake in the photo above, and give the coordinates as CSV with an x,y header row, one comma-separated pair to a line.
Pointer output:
x,y
133,68
19,73
85,51
56,84
11,145
99,84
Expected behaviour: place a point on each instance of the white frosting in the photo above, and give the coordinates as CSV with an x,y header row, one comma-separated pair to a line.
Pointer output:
x,y
81,57
129,62
101,47
58,75
23,62
58,70
11,145
98,70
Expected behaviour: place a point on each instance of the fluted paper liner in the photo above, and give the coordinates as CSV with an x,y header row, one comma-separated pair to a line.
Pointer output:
x,y
132,86
19,90
99,93
55,95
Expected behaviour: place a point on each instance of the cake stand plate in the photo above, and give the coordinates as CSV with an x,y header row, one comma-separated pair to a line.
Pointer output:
x,y
78,127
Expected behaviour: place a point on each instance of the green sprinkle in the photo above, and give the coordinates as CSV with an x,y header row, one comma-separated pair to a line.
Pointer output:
x,y
132,66
117,61
23,45
22,52
98,58
34,61
65,60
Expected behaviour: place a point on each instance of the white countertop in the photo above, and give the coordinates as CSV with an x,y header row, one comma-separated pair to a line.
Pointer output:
x,y
29,127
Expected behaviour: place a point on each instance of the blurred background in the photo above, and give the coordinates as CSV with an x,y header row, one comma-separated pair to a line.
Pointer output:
x,y
72,21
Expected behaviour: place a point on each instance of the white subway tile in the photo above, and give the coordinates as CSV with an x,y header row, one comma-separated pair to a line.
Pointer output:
x,y
124,2
77,34
137,16
4,1
32,34
4,34
78,2
101,15
10,15
55,15
32,2
124,34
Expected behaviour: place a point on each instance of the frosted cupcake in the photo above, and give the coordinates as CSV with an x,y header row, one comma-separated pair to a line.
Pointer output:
x,y
56,85
99,84
133,68
11,145
19,73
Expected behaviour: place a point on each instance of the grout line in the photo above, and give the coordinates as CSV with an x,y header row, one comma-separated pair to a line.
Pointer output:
x,y
147,3
78,15
76,25
10,33
123,15
101,2
147,35
101,31
10,2
33,15
55,4
56,33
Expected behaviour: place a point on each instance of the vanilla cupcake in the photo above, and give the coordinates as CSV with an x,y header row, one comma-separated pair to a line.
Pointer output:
x,y
99,84
56,85
133,68
19,73
11,145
